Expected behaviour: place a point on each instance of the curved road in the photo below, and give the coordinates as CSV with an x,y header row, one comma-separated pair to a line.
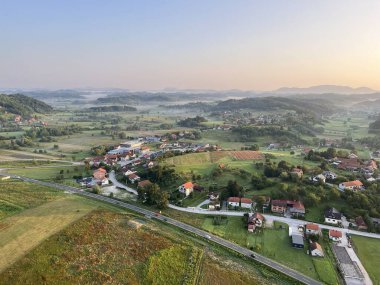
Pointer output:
x,y
244,251
289,221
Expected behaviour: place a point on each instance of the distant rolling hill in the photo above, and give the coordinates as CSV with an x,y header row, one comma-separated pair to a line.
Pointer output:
x,y
23,105
272,103
322,89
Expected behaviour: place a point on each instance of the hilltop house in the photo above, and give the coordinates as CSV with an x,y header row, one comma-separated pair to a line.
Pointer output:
x,y
186,188
316,249
351,185
335,235
329,175
298,172
333,216
320,178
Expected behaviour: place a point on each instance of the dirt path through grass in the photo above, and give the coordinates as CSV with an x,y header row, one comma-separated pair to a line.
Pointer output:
x,y
21,233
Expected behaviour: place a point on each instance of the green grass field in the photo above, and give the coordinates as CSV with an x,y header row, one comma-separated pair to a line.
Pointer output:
x,y
273,243
368,250
49,174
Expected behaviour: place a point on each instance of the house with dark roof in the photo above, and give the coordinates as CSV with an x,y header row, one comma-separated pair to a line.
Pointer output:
x,y
333,216
297,240
279,206
361,224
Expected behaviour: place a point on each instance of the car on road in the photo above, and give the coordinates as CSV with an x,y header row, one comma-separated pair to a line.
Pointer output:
x,y
208,236
253,256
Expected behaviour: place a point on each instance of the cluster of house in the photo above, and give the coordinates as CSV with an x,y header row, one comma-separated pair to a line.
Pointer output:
x,y
31,122
354,164
322,177
99,177
295,208
298,237
237,202
255,221
183,147
178,135
333,216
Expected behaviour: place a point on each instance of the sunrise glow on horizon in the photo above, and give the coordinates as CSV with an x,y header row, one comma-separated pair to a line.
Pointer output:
x,y
145,45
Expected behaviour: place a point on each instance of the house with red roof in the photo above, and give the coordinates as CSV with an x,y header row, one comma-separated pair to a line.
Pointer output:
x,y
316,249
133,178
186,188
144,183
312,229
233,201
335,235
99,176
351,185
246,203
297,209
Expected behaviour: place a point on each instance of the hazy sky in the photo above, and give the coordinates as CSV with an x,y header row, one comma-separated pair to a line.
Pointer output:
x,y
260,45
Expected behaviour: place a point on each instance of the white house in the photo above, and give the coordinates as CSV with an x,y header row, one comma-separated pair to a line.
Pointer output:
x,y
312,229
316,249
333,216
329,175
320,178
186,188
245,203
233,201
351,185
335,235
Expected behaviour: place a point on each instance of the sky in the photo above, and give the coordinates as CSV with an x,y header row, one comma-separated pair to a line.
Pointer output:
x,y
189,44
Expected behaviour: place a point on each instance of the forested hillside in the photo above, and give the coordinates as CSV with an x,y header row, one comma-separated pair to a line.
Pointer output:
x,y
278,103
23,105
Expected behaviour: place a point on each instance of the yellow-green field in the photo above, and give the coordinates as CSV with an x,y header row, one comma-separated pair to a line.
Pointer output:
x,y
22,232
102,248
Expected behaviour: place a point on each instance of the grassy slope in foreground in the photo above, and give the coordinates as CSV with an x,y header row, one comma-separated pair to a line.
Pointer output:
x,y
103,248
22,232
368,250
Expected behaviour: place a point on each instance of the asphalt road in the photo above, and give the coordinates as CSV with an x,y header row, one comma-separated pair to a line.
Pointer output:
x,y
290,221
212,238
